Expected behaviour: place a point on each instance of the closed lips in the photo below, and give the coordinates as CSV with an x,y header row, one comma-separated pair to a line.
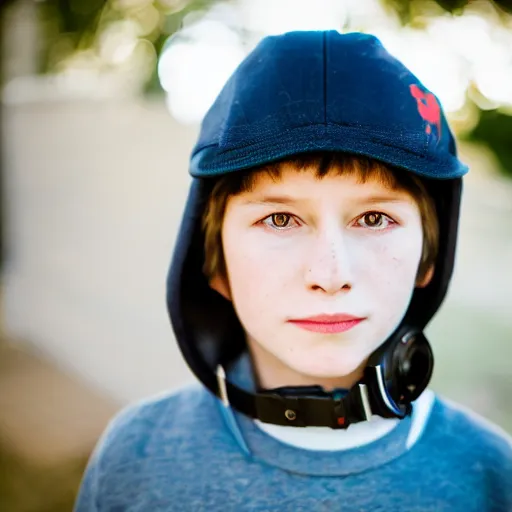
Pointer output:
x,y
329,319
328,324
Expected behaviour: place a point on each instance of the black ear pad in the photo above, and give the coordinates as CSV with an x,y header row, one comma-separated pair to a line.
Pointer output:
x,y
400,370
414,362
410,367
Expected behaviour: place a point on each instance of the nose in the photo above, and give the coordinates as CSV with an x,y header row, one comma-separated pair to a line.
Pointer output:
x,y
329,268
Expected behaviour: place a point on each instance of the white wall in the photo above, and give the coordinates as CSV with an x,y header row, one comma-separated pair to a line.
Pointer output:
x,y
94,193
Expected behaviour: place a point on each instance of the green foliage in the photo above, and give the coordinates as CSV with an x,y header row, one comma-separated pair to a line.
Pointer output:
x,y
77,15
72,25
495,130
409,11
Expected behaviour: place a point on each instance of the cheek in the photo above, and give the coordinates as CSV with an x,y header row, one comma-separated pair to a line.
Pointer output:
x,y
258,268
390,263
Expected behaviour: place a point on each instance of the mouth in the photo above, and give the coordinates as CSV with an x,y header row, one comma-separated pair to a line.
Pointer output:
x,y
328,324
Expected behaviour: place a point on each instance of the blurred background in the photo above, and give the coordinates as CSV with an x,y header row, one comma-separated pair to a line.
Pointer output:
x,y
100,105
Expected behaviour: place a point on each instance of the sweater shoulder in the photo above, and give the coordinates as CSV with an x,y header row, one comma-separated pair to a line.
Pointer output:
x,y
467,430
157,426
472,449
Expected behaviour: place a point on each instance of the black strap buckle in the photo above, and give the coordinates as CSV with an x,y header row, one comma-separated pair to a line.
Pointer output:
x,y
301,407
320,409
281,410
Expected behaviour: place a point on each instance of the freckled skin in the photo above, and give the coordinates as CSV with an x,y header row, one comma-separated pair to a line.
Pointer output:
x,y
325,260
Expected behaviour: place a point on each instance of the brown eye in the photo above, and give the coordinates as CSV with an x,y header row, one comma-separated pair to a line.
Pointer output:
x,y
280,220
373,219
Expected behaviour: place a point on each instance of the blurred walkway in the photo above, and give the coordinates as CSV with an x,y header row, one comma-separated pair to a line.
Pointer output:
x,y
49,423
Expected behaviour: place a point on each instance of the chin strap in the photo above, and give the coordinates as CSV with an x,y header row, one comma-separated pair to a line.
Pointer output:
x,y
309,405
396,374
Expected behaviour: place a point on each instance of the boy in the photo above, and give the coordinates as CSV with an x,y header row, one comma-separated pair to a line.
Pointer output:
x,y
317,243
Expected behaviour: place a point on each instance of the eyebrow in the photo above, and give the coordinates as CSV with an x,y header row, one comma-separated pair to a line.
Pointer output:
x,y
268,199
273,200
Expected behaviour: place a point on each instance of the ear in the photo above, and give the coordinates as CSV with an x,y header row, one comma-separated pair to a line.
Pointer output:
x,y
220,285
429,274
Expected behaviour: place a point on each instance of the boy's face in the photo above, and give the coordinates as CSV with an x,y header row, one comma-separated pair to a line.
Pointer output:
x,y
303,246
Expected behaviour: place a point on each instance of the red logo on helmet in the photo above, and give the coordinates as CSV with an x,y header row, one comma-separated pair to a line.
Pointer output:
x,y
429,109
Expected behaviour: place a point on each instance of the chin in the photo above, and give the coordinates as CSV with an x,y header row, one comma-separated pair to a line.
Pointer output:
x,y
333,368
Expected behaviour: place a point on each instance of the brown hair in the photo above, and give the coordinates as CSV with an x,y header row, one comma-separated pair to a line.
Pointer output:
x,y
363,167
